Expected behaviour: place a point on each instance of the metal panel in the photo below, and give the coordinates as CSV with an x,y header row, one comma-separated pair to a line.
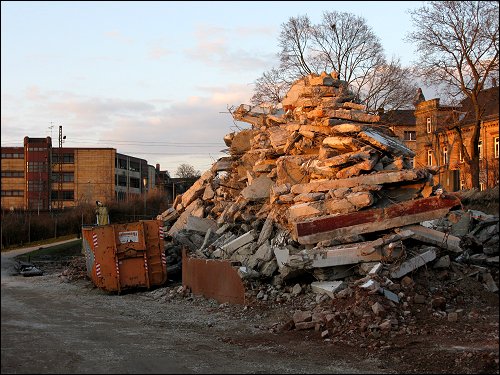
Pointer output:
x,y
216,279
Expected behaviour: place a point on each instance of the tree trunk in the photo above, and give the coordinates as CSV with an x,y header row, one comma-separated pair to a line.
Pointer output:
x,y
474,163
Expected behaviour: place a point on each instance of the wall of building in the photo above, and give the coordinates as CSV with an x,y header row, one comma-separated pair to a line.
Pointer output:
x,y
443,144
87,175
94,171
13,181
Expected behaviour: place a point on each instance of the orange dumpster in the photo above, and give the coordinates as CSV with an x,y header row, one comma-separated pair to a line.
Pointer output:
x,y
125,256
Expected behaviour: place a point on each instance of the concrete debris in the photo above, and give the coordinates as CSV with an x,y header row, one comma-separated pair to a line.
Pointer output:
x,y
319,198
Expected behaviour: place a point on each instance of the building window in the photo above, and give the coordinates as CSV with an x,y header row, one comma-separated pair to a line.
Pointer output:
x,y
480,148
66,195
122,180
410,135
12,174
429,125
445,155
460,155
37,185
65,158
66,177
496,148
412,162
121,163
37,166
12,156
134,166
135,183
482,186
462,185
12,193
429,157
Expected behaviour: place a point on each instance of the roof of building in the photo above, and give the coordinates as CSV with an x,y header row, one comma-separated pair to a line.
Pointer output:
x,y
488,101
399,117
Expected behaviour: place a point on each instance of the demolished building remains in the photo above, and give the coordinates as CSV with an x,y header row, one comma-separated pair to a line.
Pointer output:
x,y
316,188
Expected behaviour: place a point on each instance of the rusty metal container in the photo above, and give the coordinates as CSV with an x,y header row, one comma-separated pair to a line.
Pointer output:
x,y
125,256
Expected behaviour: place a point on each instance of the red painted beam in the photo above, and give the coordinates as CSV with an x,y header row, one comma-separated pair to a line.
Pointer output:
x,y
372,220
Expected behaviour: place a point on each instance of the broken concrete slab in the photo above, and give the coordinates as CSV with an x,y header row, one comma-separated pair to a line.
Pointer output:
x,y
414,263
391,145
433,237
371,220
344,254
229,248
377,178
201,225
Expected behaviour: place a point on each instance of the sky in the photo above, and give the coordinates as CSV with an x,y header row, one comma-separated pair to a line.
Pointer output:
x,y
154,80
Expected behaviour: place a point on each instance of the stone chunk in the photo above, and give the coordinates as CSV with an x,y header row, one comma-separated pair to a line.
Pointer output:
x,y
259,189
327,287
301,316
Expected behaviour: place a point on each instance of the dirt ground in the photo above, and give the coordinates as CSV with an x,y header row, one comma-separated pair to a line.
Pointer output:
x,y
447,322
425,341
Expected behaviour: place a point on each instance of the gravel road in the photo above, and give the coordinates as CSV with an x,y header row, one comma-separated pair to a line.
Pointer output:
x,y
53,326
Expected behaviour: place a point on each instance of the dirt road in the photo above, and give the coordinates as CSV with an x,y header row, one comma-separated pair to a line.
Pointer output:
x,y
52,326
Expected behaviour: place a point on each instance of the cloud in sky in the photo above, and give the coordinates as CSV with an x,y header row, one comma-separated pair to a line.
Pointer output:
x,y
153,78
118,36
155,130
216,46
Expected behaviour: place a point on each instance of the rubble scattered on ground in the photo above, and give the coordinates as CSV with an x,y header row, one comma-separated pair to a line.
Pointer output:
x,y
321,211
75,269
27,269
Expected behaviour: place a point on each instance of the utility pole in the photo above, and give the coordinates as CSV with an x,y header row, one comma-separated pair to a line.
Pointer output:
x,y
60,176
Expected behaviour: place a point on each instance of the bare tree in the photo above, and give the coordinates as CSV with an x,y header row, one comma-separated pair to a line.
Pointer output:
x,y
344,43
186,171
389,86
293,40
271,87
458,48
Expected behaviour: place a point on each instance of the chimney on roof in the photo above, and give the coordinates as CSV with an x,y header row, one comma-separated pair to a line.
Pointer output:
x,y
157,167
419,97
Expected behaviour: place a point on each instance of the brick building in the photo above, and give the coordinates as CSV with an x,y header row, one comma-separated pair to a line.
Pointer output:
x,y
429,132
438,144
38,176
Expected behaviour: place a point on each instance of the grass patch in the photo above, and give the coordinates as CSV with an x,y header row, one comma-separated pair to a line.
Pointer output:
x,y
53,253
40,242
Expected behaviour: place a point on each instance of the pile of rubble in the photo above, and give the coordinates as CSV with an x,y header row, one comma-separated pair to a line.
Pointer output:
x,y
320,191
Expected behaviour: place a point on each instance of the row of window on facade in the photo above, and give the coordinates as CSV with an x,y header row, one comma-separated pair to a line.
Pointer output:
x,y
132,165
69,177
445,156
67,195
